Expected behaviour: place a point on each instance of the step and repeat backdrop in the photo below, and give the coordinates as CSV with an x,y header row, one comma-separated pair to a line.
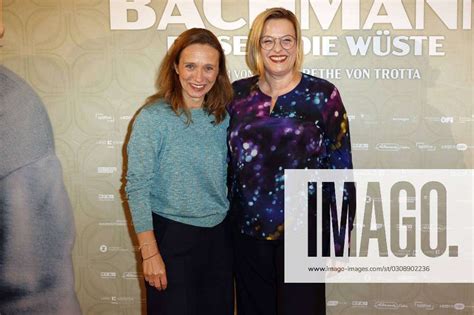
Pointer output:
x,y
403,67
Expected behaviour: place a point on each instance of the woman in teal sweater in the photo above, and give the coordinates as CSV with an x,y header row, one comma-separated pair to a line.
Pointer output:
x,y
176,181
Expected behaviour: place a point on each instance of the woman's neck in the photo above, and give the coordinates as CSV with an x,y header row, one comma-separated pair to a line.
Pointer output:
x,y
275,86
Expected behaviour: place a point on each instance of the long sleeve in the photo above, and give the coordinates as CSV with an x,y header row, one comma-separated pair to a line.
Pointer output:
x,y
143,150
231,176
338,141
338,146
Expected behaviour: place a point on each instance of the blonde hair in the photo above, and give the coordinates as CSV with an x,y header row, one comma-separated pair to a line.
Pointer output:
x,y
254,56
169,87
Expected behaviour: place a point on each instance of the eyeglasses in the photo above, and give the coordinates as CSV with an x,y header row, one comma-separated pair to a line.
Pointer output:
x,y
286,42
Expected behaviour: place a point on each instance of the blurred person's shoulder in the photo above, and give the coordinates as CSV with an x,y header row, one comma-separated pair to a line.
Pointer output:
x,y
26,134
12,85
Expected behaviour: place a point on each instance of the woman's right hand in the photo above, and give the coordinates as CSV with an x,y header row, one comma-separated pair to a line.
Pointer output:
x,y
154,272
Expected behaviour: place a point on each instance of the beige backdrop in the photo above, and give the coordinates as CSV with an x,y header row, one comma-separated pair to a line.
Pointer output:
x,y
92,81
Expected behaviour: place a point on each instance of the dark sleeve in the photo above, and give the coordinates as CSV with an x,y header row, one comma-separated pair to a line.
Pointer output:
x,y
230,166
339,156
337,140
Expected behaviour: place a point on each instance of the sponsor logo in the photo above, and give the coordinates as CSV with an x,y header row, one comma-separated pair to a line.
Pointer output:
x,y
401,119
446,120
106,169
369,199
105,197
442,119
360,303
108,275
408,227
114,223
332,303
359,225
105,248
118,299
110,143
425,147
131,275
459,306
392,147
369,119
107,118
448,147
466,119
386,305
432,227
360,146
461,147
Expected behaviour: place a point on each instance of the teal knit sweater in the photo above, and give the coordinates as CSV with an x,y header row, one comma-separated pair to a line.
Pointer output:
x,y
176,170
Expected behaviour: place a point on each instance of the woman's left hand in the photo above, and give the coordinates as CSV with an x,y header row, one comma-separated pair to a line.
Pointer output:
x,y
154,272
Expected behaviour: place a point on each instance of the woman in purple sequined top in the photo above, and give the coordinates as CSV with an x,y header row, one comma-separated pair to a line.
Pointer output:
x,y
280,119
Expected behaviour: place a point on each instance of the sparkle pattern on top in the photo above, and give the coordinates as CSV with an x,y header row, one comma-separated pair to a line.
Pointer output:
x,y
307,128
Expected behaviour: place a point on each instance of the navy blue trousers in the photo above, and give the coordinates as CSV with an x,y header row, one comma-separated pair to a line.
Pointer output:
x,y
198,265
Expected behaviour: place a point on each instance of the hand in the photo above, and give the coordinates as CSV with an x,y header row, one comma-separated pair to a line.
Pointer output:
x,y
154,271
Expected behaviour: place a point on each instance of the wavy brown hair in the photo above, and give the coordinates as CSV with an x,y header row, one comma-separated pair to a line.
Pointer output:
x,y
168,85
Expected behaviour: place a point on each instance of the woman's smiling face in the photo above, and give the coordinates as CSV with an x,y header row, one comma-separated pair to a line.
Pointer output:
x,y
197,70
279,61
